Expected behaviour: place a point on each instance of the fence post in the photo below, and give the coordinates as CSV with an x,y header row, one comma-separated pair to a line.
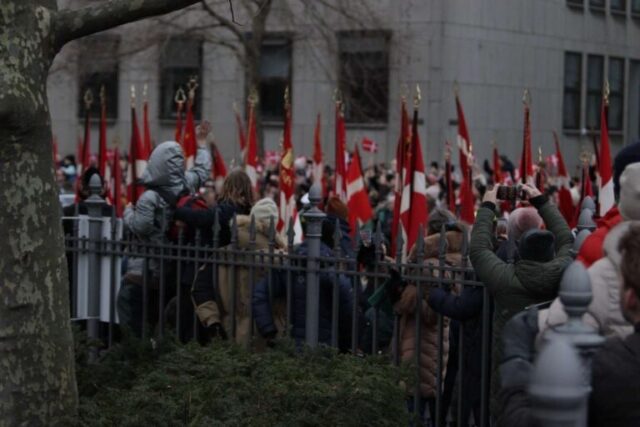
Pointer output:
x,y
313,218
585,220
575,295
557,390
94,204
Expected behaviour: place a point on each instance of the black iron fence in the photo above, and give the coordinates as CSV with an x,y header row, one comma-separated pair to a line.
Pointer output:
x,y
326,296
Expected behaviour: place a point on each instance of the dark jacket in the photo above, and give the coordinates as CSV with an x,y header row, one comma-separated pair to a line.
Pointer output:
x,y
615,399
518,285
346,244
262,310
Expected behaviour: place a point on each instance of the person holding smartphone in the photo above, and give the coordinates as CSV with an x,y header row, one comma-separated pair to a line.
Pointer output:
x,y
534,278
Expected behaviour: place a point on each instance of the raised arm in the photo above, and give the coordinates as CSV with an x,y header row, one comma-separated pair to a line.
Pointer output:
x,y
71,24
553,220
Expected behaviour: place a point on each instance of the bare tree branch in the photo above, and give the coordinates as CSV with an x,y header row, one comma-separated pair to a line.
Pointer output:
x,y
228,24
73,24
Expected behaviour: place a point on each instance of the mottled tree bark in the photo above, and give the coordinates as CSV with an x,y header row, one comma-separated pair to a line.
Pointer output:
x,y
37,379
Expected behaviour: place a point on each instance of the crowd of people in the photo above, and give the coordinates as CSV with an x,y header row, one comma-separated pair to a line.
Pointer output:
x,y
519,252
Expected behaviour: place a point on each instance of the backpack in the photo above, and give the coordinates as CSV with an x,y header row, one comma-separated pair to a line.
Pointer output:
x,y
191,201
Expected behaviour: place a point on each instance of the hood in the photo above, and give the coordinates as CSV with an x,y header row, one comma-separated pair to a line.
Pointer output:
x,y
432,244
165,171
262,228
610,245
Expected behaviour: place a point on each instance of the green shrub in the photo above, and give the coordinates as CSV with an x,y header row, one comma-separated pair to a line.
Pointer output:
x,y
223,385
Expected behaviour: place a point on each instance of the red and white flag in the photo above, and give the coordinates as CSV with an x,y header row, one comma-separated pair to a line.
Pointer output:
x,y
251,152
137,160
340,189
564,194
218,167
606,197
189,143
287,205
84,159
116,185
467,202
404,142
317,170
369,145
526,162
242,138
413,210
103,164
357,197
178,131
497,170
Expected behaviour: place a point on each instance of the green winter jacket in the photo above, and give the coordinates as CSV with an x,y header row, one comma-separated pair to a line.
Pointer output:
x,y
514,286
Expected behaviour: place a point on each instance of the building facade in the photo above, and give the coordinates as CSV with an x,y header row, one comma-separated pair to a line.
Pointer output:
x,y
563,51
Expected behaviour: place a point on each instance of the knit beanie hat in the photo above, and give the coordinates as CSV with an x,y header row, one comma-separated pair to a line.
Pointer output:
x,y
523,219
437,218
264,210
626,156
337,208
537,245
629,203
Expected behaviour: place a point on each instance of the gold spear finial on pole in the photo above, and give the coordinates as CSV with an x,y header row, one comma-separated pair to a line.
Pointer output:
x,y
417,98
103,96
456,88
287,101
88,99
133,96
447,151
606,92
540,159
526,97
144,92
192,86
404,91
585,157
253,97
180,97
116,141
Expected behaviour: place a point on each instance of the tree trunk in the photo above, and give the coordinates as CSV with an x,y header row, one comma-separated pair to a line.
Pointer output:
x,y
37,378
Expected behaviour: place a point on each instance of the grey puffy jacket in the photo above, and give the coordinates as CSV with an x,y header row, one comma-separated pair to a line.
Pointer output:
x,y
165,181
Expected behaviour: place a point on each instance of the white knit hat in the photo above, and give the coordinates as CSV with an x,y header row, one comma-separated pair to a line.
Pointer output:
x,y
629,203
264,209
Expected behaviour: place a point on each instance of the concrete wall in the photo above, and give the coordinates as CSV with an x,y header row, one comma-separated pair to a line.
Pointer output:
x,y
493,48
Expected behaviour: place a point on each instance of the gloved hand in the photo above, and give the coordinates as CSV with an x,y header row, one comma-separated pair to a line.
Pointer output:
x,y
518,339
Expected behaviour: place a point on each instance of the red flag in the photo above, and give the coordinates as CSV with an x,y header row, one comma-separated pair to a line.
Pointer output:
x,y
137,160
340,189
54,147
219,169
84,161
451,197
251,153
564,194
414,214
357,197
102,142
401,154
116,188
369,145
606,197
147,132
179,122
287,173
242,139
526,163
189,144
497,170
79,156
467,202
318,172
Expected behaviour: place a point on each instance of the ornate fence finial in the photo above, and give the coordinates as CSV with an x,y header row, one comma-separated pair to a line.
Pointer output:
x,y
585,221
580,238
588,203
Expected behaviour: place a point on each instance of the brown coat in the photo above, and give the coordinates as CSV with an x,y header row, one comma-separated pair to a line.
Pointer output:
x,y
406,308
243,278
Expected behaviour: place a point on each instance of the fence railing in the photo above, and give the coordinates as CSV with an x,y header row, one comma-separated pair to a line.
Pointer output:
x,y
326,296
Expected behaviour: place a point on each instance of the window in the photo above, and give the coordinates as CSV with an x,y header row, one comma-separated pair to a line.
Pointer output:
x,y
597,5
595,79
572,88
97,67
634,101
181,59
275,76
618,6
576,3
635,7
364,75
616,95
